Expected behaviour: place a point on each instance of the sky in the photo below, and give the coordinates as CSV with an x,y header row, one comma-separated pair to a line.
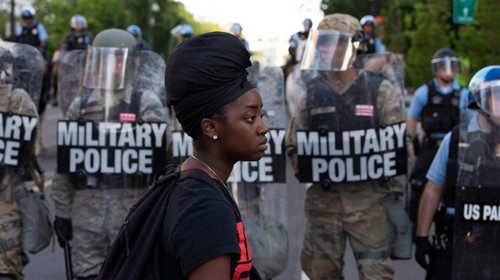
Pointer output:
x,y
267,24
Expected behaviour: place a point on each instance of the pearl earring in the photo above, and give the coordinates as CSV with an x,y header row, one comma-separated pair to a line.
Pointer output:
x,y
215,137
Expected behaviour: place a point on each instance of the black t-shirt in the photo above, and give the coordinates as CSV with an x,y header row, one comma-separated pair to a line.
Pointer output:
x,y
203,222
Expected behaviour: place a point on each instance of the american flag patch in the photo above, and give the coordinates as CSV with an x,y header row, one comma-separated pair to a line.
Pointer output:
x,y
127,117
364,110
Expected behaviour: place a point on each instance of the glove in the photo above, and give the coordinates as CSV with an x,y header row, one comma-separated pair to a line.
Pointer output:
x,y
64,230
424,252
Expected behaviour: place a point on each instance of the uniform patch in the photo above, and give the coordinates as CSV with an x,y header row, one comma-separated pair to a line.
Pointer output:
x,y
127,117
364,110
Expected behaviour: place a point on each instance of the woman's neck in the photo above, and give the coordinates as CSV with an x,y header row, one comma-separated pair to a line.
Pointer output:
x,y
211,164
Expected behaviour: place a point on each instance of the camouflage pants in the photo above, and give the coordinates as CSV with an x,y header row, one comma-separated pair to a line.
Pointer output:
x,y
97,216
13,259
326,235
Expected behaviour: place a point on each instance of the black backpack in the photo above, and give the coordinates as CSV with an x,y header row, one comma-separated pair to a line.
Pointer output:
x,y
131,252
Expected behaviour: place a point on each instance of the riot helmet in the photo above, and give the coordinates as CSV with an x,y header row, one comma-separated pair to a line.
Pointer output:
x,y
78,22
368,20
307,23
134,30
236,29
28,12
107,60
6,67
445,64
184,30
485,88
333,46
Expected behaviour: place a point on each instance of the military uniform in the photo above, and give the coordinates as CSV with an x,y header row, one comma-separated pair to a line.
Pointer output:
x,y
12,256
97,212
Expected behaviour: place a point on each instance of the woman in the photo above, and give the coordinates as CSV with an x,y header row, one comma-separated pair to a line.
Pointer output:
x,y
215,104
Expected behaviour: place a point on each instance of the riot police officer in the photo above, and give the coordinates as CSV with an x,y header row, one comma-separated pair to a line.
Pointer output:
x,y
462,184
236,30
344,201
297,42
12,101
436,106
90,205
373,42
136,31
182,32
32,32
79,38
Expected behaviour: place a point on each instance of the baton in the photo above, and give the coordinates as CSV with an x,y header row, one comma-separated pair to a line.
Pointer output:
x,y
67,261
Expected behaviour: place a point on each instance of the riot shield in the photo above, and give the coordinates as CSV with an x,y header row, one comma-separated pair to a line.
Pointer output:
x,y
259,187
351,124
348,132
109,146
115,121
476,250
28,68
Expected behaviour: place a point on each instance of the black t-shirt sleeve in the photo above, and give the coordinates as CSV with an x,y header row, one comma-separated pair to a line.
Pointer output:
x,y
205,231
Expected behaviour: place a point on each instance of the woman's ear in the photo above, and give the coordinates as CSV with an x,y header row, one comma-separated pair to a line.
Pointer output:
x,y
208,128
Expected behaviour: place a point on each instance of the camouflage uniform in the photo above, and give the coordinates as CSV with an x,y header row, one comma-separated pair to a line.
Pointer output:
x,y
97,213
348,210
12,256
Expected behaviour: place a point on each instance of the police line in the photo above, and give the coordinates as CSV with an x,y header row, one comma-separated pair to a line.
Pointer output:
x,y
352,156
16,134
269,169
110,147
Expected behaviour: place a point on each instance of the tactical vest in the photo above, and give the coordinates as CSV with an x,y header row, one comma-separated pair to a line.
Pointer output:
x,y
441,113
77,42
29,35
329,111
479,166
370,44
90,181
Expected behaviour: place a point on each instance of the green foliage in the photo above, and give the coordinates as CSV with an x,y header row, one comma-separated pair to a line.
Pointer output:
x,y
417,28
103,14
429,30
479,43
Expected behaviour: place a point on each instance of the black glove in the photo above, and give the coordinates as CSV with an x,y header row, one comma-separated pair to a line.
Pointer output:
x,y
424,252
64,230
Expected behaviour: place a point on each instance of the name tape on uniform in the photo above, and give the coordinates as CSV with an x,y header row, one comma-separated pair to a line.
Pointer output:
x,y
16,135
269,169
110,148
352,156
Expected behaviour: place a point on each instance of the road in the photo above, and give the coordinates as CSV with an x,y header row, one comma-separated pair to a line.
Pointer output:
x,y
49,263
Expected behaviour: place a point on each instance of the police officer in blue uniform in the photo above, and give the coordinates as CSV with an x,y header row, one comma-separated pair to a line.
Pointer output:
x,y
79,38
141,44
436,105
32,32
468,156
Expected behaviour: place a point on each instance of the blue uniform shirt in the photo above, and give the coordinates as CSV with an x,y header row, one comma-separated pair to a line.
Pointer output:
x,y
437,171
42,32
421,96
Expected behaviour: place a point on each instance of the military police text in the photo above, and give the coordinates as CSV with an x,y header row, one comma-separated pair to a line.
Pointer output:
x,y
15,130
109,147
358,156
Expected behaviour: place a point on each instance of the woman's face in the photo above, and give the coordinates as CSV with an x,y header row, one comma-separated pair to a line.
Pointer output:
x,y
242,133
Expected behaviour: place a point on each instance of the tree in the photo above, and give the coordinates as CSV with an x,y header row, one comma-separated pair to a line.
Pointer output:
x,y
429,29
155,17
479,43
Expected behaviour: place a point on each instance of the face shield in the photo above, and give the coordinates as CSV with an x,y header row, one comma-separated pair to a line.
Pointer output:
x,y
490,98
446,65
105,68
329,50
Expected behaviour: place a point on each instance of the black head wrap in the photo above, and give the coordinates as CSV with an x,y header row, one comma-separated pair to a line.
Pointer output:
x,y
205,73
